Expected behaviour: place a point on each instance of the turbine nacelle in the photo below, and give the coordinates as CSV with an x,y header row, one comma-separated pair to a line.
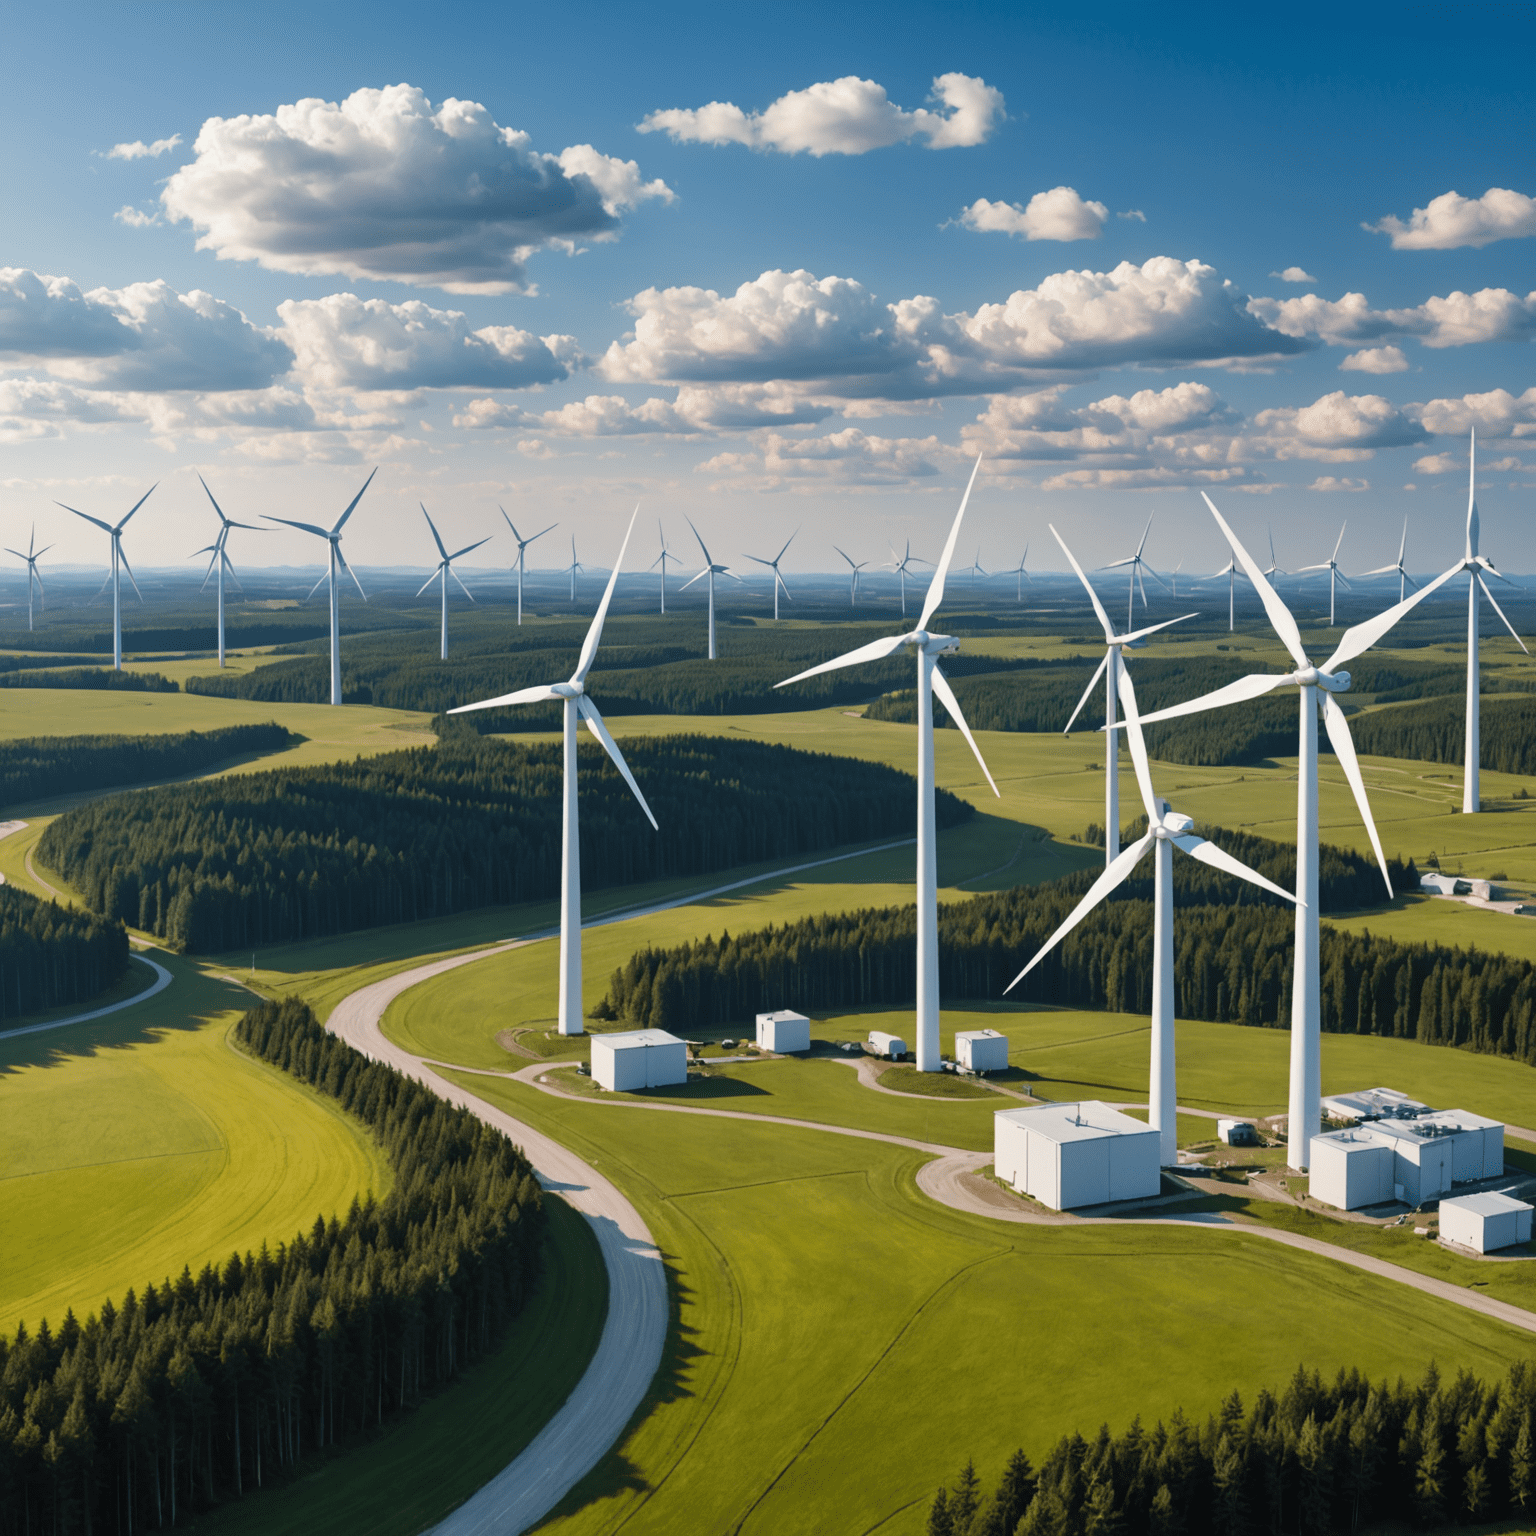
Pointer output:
x,y
570,690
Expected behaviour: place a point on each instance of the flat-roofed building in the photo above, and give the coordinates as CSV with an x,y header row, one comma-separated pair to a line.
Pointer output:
x,y
637,1059
783,1031
1373,1104
1485,1222
981,1050
1430,1154
1069,1155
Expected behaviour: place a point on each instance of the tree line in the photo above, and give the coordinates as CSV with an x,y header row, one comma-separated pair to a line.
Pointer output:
x,y
1435,732
53,956
189,1394
35,766
100,679
292,853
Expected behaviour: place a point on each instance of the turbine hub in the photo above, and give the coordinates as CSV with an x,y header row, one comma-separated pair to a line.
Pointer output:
x,y
570,690
1307,676
1334,682
937,645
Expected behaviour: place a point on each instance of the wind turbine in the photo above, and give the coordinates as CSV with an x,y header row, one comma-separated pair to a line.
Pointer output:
x,y
1230,571
445,570
773,565
1273,568
1335,575
119,564
574,568
855,566
1165,830
930,681
975,568
522,544
333,539
1475,565
1137,566
1115,663
1020,575
902,565
572,695
1315,688
1173,578
32,556
661,560
1404,580
219,549
711,570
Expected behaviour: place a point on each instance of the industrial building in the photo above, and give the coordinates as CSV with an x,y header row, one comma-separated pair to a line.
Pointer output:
x,y
1237,1133
1069,1155
1485,1222
1411,1160
891,1046
783,1031
981,1050
639,1058
1373,1104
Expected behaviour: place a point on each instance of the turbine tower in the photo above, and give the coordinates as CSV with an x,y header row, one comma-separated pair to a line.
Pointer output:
x,y
928,648
119,565
854,567
1020,575
219,549
1165,830
574,568
902,565
1400,570
1136,565
711,570
778,580
1315,687
32,556
522,544
572,695
1173,578
1273,568
661,560
1114,662
445,570
1231,572
333,539
1335,575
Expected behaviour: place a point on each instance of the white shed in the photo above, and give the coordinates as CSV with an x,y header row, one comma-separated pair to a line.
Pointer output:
x,y
783,1031
1068,1155
1237,1133
1350,1169
1485,1223
892,1046
981,1050
637,1059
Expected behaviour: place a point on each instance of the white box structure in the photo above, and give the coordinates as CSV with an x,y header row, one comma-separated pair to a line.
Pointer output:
x,y
1237,1133
1350,1169
1069,1155
783,1031
892,1046
1373,1104
982,1050
1485,1223
637,1059
1428,1154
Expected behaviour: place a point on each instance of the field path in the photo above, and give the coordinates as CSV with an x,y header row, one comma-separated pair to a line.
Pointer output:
x,y
162,980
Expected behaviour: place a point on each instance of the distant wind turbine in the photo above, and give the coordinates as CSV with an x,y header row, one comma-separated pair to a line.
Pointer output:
x,y
572,695
1335,575
1231,572
575,568
1136,566
444,571
522,545
661,560
855,566
778,579
902,565
219,549
119,564
32,556
711,570
1273,568
975,568
333,538
1400,570
1173,578
1020,575
930,681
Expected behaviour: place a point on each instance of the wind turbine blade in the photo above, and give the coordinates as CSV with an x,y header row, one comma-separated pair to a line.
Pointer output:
x,y
1472,519
1344,580
1302,570
105,527
595,724
229,522
539,693
540,534
1217,858
787,542
729,575
595,633
936,586
952,704
462,588
758,560
1339,545
1245,688
1115,565
341,560
428,582
211,566
324,577
700,577
1112,876
708,559
352,507
1093,682
459,554
1344,750
1146,532
513,526
1279,615
1413,586
1361,637
783,587
122,555
46,547
1136,572
134,508
230,568
436,537
216,507
1093,597
1507,625
1138,745
848,558
29,558
306,527
1383,570
876,650
1402,548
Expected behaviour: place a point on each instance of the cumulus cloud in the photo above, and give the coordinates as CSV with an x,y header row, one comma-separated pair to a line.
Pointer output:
x,y
342,341
1457,320
385,186
1375,360
1335,483
135,218
1452,220
1496,414
849,116
1294,275
139,150
1437,464
1133,213
847,458
1337,428
1157,478
1059,214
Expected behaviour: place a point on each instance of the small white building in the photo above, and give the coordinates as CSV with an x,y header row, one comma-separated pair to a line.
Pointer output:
x,y
783,1031
1351,1169
891,1046
1456,885
1485,1223
1428,1155
981,1050
1069,1155
637,1059
1237,1133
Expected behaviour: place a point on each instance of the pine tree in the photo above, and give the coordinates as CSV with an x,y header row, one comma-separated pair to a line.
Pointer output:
x,y
939,1521
965,1500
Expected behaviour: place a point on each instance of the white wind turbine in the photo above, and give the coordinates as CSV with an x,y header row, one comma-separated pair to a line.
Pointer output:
x,y
1335,575
773,565
1315,688
1020,575
1231,572
522,544
1137,565
711,570
661,560
575,568
219,549
1400,570
902,564
1115,663
32,556
930,681
445,570
854,566
333,538
572,695
119,565
1273,568
976,568
1165,829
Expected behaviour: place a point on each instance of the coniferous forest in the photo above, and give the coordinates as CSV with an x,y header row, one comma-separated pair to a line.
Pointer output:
x,y
206,1387
100,679
1321,1457
52,956
294,853
1435,732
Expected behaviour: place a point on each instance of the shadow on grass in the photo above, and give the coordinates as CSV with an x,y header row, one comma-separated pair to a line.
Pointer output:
x,y
706,1088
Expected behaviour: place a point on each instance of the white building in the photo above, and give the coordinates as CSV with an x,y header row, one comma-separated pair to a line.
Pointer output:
x,y
892,1046
783,1031
639,1058
1351,1169
1486,1222
1237,1133
1068,1155
981,1050
1373,1104
1413,1161
1454,885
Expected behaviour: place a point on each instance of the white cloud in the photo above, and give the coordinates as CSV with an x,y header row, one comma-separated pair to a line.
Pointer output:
x,y
841,117
1451,221
1334,483
1294,275
139,150
1497,413
1337,428
1375,360
342,341
1457,320
1235,476
1507,465
135,218
1059,214
1133,213
1437,464
847,458
384,186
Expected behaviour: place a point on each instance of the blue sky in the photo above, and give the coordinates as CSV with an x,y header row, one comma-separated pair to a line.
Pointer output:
x,y
570,321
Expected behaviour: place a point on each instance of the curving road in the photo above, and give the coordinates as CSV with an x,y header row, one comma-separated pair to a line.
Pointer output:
x,y
162,980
